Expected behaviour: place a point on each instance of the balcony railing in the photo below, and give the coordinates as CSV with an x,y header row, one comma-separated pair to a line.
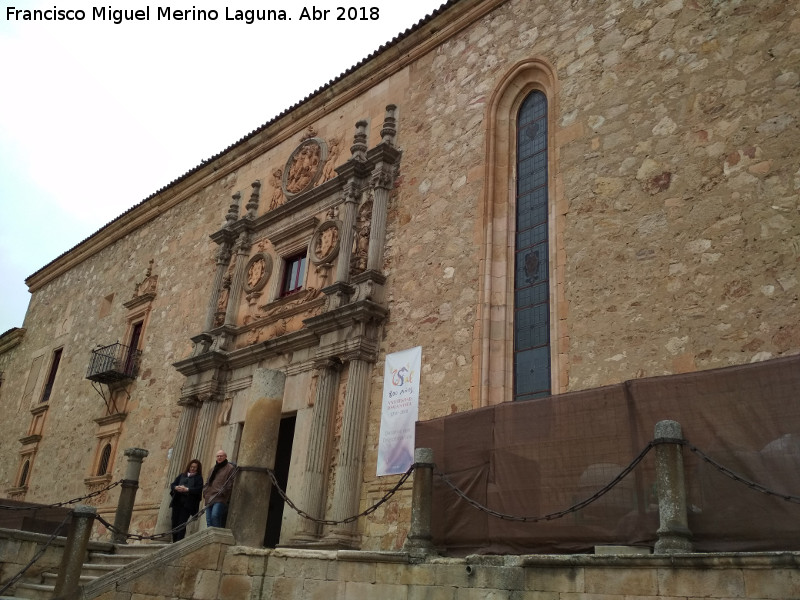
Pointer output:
x,y
113,363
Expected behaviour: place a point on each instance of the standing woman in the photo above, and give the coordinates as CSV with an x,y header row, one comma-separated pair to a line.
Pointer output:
x,y
186,491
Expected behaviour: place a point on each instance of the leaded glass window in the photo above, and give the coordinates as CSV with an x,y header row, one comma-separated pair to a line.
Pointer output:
x,y
531,257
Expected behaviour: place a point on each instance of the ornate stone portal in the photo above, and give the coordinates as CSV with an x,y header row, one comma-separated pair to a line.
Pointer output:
x,y
331,224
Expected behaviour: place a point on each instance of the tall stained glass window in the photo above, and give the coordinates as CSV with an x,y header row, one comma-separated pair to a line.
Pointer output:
x,y
531,257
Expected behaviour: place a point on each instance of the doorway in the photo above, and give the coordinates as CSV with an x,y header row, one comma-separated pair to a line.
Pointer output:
x,y
283,458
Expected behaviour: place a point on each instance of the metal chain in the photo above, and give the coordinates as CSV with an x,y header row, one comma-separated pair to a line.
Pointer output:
x,y
157,536
554,515
503,516
36,556
574,508
66,502
364,513
736,477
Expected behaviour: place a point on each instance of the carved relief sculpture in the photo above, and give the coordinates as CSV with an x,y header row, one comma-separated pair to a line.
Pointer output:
x,y
358,262
258,271
222,301
325,242
334,147
304,167
278,198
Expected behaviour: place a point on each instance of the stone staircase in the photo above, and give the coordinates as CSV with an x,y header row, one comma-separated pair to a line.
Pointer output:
x,y
97,565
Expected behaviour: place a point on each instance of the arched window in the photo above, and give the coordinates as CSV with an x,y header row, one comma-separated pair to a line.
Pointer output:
x,y
531,253
23,477
105,457
522,328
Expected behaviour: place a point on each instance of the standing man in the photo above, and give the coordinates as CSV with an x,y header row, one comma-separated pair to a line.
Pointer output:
x,y
217,491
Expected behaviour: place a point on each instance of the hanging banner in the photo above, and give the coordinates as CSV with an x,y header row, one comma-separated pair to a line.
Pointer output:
x,y
400,411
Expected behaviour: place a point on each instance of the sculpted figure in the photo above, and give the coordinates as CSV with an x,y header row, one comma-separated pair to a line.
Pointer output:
x,y
277,192
326,241
303,168
334,146
255,272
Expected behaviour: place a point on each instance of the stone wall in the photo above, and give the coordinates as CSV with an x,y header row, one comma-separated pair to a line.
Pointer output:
x,y
674,227
237,573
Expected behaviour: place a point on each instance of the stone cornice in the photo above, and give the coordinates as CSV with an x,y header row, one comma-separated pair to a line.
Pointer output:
x,y
203,362
11,338
385,64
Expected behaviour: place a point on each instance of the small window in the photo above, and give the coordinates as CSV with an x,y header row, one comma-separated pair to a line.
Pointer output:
x,y
23,477
51,377
105,458
294,274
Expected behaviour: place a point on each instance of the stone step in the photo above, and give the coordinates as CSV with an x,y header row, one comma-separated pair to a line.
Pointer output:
x,y
52,578
34,591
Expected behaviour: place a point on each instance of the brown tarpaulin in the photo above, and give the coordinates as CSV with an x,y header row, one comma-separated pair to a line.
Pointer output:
x,y
542,456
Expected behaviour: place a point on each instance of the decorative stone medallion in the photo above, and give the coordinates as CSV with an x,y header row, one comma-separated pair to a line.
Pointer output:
x,y
304,167
257,273
324,244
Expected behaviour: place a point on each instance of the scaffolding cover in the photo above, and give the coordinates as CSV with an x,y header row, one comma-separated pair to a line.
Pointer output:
x,y
539,457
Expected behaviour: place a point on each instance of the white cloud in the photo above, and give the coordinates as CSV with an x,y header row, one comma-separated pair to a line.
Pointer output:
x,y
94,117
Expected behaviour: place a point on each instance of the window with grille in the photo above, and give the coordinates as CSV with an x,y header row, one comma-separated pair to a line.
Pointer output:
x,y
105,458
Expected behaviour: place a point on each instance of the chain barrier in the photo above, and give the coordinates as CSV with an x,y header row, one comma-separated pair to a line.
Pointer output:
x,y
554,515
158,536
364,513
66,502
584,503
736,477
460,493
36,556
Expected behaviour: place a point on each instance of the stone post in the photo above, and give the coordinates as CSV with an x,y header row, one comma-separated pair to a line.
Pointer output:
x,y
673,532
69,572
178,458
418,543
347,487
312,500
122,518
247,517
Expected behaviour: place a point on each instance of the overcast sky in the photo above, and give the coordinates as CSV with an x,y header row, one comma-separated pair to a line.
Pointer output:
x,y
96,116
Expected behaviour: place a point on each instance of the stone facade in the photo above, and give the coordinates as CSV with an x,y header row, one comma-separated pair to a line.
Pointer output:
x,y
674,246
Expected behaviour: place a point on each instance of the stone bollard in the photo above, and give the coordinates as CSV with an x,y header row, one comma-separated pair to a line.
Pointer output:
x,y
122,518
69,573
418,543
673,532
247,518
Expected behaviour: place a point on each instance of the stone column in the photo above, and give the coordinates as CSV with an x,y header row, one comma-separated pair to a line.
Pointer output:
x,y
223,258
313,496
69,572
418,543
242,250
673,532
122,518
251,491
382,180
178,459
348,232
205,429
347,486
